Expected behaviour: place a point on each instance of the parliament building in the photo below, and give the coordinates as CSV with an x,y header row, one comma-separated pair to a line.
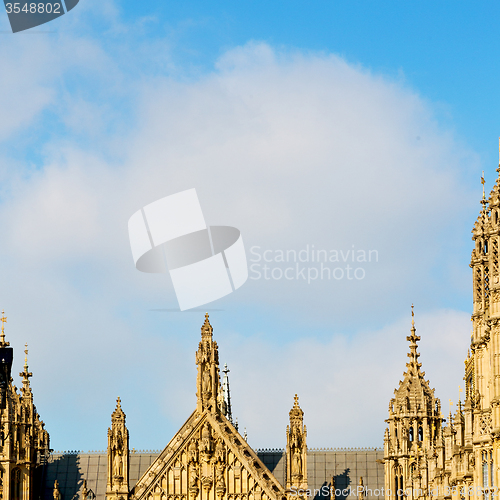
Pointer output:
x,y
424,455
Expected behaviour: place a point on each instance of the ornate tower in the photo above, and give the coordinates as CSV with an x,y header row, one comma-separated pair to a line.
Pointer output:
x,y
24,443
118,465
296,449
209,396
482,366
413,442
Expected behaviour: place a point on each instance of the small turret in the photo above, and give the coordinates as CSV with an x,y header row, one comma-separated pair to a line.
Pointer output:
x,y
207,359
117,487
414,431
296,449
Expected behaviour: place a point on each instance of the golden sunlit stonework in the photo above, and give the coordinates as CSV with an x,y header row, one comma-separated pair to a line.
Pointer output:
x,y
459,461
207,459
24,443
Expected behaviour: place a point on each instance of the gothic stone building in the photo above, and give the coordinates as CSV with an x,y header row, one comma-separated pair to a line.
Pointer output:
x,y
424,456
459,461
24,443
208,459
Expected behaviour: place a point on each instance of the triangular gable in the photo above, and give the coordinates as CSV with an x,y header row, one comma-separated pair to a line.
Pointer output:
x,y
207,460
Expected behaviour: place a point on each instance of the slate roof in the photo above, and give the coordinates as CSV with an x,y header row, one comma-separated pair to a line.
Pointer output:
x,y
70,469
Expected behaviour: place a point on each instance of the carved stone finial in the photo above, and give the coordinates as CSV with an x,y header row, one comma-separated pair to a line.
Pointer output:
x,y
206,329
56,493
118,414
413,339
361,489
3,319
84,490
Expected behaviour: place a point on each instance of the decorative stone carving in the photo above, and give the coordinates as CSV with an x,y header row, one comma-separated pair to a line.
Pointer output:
x,y
56,493
203,457
193,452
193,482
118,455
220,486
296,449
24,442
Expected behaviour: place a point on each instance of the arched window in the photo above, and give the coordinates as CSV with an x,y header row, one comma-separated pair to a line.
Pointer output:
x,y
420,433
487,474
15,486
485,247
411,434
399,487
492,476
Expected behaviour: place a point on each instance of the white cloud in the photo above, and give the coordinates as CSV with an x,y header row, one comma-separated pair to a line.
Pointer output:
x,y
293,149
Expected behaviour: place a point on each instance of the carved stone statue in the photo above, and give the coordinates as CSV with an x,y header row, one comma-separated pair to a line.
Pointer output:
x,y
118,464
220,484
220,454
207,381
193,452
206,442
477,399
56,493
193,480
296,463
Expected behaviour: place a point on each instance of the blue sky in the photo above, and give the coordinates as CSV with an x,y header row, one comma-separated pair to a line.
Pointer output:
x,y
341,125
447,50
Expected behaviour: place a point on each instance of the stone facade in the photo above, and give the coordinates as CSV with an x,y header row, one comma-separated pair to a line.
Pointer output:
x,y
24,443
459,461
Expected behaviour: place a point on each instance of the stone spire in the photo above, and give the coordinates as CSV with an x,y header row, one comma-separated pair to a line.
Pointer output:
x,y
296,448
414,393
413,339
26,374
207,359
414,430
227,394
117,487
